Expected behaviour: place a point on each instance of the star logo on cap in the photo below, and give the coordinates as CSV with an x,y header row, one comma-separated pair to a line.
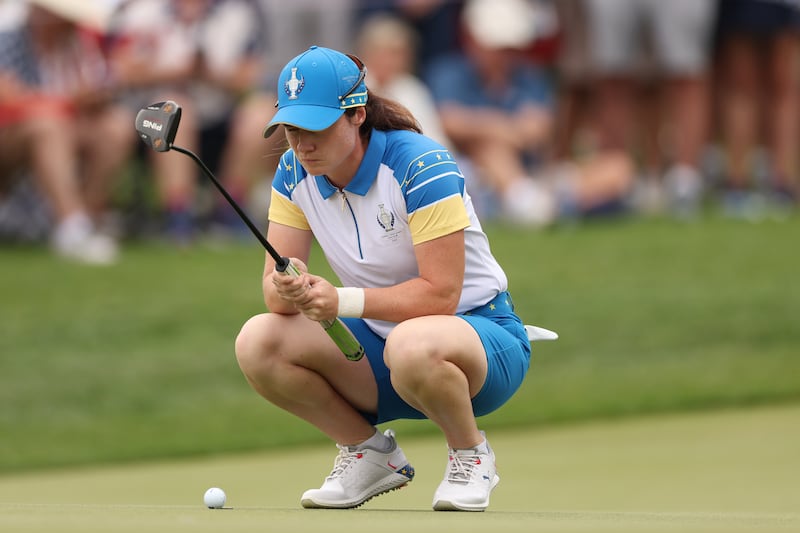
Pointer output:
x,y
294,85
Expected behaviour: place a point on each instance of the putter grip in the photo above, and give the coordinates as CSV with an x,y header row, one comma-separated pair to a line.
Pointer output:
x,y
344,339
335,328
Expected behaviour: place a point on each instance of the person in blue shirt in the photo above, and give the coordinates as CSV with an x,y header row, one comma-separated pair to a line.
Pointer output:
x,y
496,106
498,109
421,291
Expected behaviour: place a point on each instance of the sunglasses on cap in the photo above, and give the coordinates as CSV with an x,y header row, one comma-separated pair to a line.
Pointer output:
x,y
362,73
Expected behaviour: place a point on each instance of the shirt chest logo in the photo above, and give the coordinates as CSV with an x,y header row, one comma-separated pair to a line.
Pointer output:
x,y
386,220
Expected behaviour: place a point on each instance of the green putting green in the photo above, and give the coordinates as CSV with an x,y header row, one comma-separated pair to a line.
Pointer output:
x,y
720,471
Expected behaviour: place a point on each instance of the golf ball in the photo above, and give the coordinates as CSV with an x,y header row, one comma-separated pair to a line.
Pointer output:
x,y
214,498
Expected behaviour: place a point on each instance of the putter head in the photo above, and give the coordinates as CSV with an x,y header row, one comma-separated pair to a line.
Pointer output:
x,y
157,124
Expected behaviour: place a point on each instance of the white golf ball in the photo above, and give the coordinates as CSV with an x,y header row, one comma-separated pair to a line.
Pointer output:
x,y
214,498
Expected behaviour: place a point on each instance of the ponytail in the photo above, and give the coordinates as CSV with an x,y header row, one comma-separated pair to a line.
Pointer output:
x,y
384,114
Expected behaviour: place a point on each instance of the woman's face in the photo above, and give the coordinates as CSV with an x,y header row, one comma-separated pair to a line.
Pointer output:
x,y
335,152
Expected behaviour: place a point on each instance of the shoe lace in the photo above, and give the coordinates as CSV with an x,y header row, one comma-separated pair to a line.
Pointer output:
x,y
461,466
343,460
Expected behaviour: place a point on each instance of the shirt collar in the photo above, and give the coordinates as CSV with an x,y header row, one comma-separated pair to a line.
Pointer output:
x,y
367,171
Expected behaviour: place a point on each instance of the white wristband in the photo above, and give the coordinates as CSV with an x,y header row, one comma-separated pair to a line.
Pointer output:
x,y
351,302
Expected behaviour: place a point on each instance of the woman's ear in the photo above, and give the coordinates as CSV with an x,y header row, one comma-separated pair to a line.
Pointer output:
x,y
359,116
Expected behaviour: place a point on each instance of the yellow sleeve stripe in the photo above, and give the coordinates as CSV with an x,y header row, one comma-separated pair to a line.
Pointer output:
x,y
283,211
439,219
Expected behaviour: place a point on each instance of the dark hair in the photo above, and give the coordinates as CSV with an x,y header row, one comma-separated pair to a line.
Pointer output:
x,y
384,114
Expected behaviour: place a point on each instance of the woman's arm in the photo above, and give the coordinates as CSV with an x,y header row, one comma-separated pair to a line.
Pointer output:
x,y
436,291
289,242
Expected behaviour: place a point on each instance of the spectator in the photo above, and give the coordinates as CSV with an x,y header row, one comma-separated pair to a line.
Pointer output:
x,y
602,176
759,54
498,110
59,121
173,50
298,24
436,23
574,129
680,35
387,45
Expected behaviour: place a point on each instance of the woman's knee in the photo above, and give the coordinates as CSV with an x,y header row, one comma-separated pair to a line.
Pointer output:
x,y
407,350
255,342
421,352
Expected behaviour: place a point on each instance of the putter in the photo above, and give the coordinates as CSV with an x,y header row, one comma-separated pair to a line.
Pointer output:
x,y
157,125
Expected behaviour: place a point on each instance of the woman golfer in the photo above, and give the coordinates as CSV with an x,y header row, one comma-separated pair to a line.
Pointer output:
x,y
422,291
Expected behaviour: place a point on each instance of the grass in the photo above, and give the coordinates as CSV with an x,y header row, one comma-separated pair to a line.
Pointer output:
x,y
703,472
136,361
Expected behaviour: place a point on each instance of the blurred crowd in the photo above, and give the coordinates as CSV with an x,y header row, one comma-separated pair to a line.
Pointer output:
x,y
558,110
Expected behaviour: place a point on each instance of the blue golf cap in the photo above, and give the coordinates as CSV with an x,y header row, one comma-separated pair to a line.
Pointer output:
x,y
316,87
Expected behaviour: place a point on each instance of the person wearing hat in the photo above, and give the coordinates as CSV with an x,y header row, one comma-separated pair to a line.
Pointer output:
x,y
60,122
210,56
493,83
420,290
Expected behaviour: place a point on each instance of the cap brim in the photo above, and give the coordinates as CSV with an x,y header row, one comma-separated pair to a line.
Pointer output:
x,y
305,117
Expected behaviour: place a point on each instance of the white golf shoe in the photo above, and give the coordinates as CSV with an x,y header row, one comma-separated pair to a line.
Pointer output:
x,y
468,481
359,475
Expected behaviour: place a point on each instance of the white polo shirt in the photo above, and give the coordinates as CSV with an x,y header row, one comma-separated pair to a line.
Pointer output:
x,y
408,190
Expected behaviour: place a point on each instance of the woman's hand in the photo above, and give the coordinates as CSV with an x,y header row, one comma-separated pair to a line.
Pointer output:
x,y
312,295
289,287
320,300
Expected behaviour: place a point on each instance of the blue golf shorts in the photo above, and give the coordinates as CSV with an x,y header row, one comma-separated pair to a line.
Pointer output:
x,y
508,353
